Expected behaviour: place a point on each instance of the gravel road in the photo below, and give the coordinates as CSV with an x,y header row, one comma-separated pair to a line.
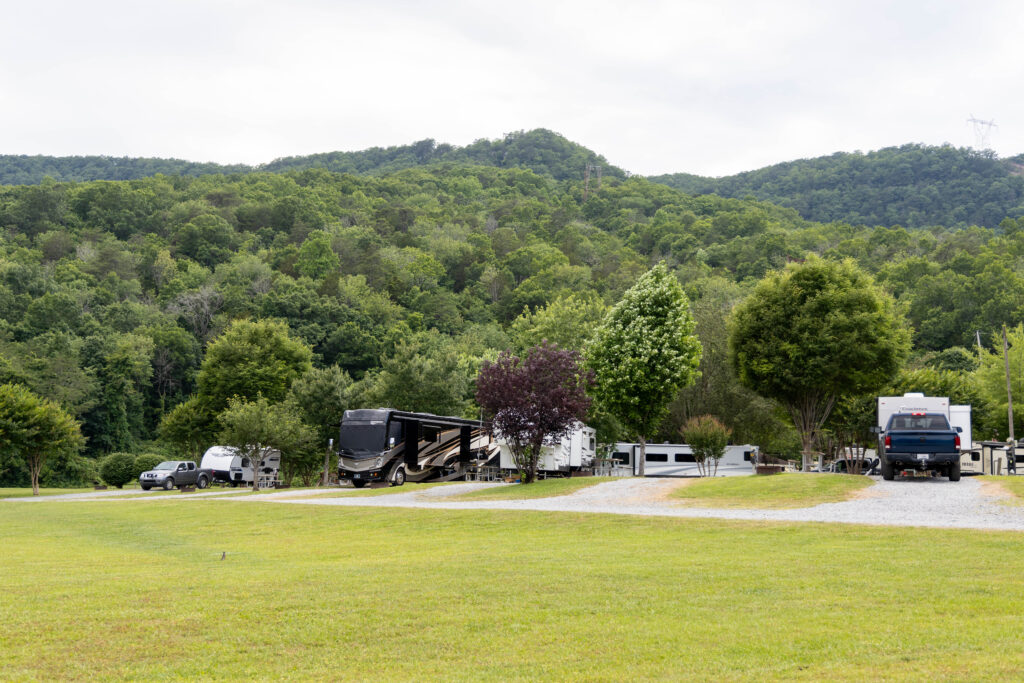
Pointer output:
x,y
912,502
967,504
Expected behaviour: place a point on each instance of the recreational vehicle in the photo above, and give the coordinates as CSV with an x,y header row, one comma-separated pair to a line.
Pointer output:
x,y
571,453
229,467
391,446
676,460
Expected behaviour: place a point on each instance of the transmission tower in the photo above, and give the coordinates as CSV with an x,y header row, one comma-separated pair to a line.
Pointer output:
x,y
982,129
586,178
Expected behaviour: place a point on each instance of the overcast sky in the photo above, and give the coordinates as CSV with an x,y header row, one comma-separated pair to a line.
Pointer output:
x,y
712,88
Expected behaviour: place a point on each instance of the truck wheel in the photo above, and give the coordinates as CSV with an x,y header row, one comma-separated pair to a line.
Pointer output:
x,y
146,487
203,482
358,483
168,484
399,477
954,472
887,471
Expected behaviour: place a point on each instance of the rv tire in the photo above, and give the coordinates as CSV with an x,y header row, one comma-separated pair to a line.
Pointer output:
x,y
399,477
887,471
954,472
203,482
168,484
358,483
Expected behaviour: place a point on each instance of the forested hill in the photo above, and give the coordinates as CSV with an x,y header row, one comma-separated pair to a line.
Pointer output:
x,y
912,185
542,151
31,170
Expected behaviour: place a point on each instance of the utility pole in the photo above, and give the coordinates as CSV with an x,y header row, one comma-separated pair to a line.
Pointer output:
x,y
1009,394
327,461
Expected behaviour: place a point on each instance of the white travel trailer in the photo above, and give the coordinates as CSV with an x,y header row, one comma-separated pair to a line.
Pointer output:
x,y
572,453
958,415
229,467
676,459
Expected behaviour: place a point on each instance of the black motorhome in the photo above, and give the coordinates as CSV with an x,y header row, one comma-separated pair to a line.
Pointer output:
x,y
386,445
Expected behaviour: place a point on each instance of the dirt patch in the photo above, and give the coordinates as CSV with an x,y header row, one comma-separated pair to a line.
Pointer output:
x,y
662,493
994,489
868,492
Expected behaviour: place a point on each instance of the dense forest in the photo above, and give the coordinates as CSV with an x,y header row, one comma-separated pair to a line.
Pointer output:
x,y
541,151
913,185
403,283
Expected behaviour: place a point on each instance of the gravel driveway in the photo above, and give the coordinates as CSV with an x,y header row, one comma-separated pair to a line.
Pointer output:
x,y
967,504
912,502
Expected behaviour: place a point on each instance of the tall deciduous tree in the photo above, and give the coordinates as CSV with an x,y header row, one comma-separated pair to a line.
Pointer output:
x,y
812,333
645,351
34,430
538,397
250,359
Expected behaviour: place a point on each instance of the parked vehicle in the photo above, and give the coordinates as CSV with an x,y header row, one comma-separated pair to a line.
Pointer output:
x,y
386,445
847,465
676,459
171,473
571,453
226,465
919,441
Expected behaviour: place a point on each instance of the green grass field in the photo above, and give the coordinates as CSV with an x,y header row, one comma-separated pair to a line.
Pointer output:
x,y
139,591
777,491
27,492
546,488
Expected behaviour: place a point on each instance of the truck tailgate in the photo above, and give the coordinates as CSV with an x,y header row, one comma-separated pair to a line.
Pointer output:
x,y
922,442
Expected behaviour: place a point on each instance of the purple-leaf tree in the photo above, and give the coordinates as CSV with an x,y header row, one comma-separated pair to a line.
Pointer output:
x,y
540,396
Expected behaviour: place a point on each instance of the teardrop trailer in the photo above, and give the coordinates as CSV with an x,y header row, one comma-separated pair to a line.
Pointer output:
x,y
387,446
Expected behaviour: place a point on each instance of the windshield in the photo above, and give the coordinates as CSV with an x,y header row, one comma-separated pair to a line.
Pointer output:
x,y
168,465
364,437
926,422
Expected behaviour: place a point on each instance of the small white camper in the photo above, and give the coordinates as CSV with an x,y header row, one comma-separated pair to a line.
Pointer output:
x,y
676,459
229,467
573,452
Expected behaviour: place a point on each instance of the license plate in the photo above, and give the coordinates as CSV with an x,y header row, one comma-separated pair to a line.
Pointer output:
x,y
357,476
922,456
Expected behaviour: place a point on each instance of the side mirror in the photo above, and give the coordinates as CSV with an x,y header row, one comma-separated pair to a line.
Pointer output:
x,y
959,429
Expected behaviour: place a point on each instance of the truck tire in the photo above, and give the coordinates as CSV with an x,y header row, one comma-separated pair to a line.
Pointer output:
x,y
887,471
203,482
146,487
954,472
399,478
168,484
358,483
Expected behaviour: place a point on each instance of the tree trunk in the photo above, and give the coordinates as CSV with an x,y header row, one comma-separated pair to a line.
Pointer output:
x,y
643,457
34,467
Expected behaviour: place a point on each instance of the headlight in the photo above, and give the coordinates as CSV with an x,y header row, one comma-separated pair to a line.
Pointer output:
x,y
380,461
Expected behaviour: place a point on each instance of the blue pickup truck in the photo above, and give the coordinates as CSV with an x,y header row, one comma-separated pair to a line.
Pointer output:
x,y
922,442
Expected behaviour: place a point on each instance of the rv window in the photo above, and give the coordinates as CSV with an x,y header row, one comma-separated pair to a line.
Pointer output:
x,y
619,456
657,457
975,457
685,457
246,462
431,433
746,456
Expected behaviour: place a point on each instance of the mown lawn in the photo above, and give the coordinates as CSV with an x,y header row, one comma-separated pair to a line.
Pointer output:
x,y
1014,485
546,488
27,492
777,491
139,591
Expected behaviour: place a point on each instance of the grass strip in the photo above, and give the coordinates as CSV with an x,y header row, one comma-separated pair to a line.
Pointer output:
x,y
351,492
546,488
27,492
777,491
140,592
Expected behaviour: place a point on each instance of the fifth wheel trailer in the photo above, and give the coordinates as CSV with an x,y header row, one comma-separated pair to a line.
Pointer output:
x,y
571,453
676,460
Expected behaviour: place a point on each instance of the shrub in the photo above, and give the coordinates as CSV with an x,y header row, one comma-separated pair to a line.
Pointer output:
x,y
707,437
118,469
147,461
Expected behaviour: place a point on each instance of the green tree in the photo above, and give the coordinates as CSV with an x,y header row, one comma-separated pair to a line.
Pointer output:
x,y
707,438
644,352
322,395
812,333
255,428
188,426
568,321
990,379
34,431
250,359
